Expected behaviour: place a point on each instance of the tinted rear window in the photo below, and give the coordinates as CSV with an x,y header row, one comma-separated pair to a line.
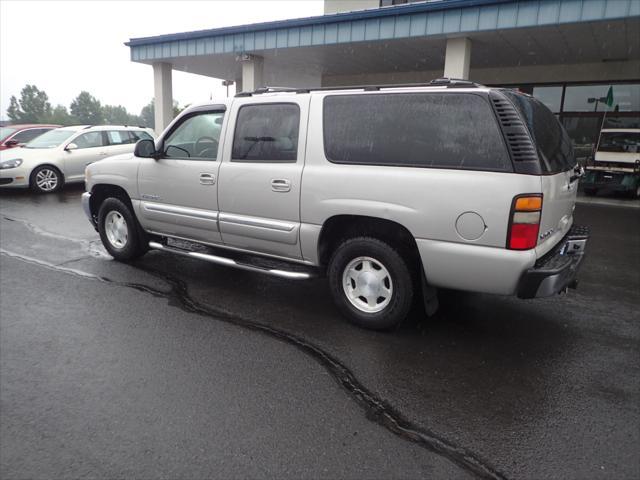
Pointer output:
x,y
453,130
554,145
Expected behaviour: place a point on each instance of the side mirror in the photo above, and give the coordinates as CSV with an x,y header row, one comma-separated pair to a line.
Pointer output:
x,y
12,143
145,148
71,146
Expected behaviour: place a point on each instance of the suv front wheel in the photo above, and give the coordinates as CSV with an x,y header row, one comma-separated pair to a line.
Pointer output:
x,y
119,231
370,283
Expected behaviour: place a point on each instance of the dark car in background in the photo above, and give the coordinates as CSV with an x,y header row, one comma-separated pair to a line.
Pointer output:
x,y
16,135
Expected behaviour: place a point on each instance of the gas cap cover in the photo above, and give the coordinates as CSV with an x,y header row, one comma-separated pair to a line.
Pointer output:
x,y
470,226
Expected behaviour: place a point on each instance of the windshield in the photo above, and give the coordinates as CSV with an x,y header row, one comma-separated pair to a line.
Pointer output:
x,y
5,132
51,139
622,142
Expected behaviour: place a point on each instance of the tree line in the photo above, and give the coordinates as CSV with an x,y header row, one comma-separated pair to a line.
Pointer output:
x,y
33,106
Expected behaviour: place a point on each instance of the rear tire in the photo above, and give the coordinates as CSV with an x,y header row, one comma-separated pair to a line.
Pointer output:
x,y
371,283
120,232
46,179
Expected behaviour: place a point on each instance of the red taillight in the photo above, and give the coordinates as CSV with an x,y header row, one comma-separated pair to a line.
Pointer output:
x,y
524,222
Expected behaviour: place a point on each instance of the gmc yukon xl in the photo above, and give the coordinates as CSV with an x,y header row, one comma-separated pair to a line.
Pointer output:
x,y
391,191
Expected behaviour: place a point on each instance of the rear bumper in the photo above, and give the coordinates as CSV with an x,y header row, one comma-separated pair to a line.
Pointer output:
x,y
558,269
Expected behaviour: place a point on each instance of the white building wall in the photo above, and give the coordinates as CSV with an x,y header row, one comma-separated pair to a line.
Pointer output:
x,y
335,6
600,71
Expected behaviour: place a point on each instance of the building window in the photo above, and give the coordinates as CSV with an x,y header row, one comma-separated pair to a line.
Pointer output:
x,y
603,97
551,97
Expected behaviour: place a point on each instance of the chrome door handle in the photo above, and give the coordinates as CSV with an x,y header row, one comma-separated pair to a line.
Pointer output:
x,y
207,179
104,154
280,185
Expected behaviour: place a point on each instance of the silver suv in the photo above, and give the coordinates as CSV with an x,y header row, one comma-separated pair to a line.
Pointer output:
x,y
392,192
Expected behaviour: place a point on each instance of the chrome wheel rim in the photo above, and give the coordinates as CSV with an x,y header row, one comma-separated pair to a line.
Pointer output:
x,y
116,229
367,284
47,180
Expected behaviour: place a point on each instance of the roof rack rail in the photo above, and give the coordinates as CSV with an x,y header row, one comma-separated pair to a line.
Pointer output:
x,y
444,82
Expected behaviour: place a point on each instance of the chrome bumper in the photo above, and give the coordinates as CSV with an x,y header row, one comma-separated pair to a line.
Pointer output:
x,y
558,270
86,199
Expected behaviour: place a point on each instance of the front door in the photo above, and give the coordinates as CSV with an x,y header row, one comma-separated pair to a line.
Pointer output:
x,y
260,176
178,192
84,149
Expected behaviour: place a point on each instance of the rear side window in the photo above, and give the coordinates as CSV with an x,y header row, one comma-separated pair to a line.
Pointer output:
x,y
119,137
267,132
139,135
554,145
453,130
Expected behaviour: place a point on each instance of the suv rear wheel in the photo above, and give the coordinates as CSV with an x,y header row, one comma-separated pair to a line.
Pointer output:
x,y
371,283
119,230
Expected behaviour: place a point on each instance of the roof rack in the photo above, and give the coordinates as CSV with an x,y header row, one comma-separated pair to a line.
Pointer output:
x,y
438,82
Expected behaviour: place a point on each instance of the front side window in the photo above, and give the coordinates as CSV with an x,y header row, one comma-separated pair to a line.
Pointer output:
x,y
453,130
267,133
196,138
89,140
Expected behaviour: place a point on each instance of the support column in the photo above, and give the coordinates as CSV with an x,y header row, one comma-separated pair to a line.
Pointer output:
x,y
457,58
252,67
238,85
163,95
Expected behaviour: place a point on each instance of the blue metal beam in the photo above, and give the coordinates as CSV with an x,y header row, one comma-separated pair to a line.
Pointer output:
x,y
446,17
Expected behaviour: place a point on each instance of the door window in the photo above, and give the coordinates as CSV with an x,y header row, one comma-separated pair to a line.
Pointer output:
x,y
266,133
196,138
89,140
28,135
414,130
119,137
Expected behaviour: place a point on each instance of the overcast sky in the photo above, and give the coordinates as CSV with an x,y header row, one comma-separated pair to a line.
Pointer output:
x,y
64,47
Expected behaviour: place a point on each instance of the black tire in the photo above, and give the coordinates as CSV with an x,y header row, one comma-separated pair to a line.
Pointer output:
x,y
135,245
590,192
46,179
399,302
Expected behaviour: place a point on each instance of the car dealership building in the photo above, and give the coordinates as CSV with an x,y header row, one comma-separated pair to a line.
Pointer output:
x,y
580,57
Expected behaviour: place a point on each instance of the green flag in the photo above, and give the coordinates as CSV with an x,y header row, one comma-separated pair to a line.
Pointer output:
x,y
609,100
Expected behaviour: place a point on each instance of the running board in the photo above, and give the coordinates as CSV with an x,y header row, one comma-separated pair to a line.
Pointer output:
x,y
228,262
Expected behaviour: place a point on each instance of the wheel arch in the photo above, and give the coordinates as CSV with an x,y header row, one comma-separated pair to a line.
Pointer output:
x,y
50,165
101,191
339,228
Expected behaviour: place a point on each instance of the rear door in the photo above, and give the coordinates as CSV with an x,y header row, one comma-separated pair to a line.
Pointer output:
x,y
559,181
119,141
261,173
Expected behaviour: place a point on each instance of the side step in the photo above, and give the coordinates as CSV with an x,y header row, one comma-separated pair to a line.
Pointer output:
x,y
229,262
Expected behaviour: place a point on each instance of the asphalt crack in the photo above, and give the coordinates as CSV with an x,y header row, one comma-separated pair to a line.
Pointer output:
x,y
376,409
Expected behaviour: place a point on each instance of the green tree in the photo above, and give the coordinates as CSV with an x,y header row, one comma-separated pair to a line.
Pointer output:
x,y
115,115
148,115
60,116
33,106
87,109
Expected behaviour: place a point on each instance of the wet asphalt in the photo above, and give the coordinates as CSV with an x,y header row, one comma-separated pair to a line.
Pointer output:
x,y
173,368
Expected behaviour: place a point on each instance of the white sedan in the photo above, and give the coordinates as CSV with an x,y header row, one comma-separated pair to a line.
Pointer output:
x,y
60,156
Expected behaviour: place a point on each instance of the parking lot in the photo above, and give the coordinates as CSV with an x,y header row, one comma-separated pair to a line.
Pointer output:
x,y
172,368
